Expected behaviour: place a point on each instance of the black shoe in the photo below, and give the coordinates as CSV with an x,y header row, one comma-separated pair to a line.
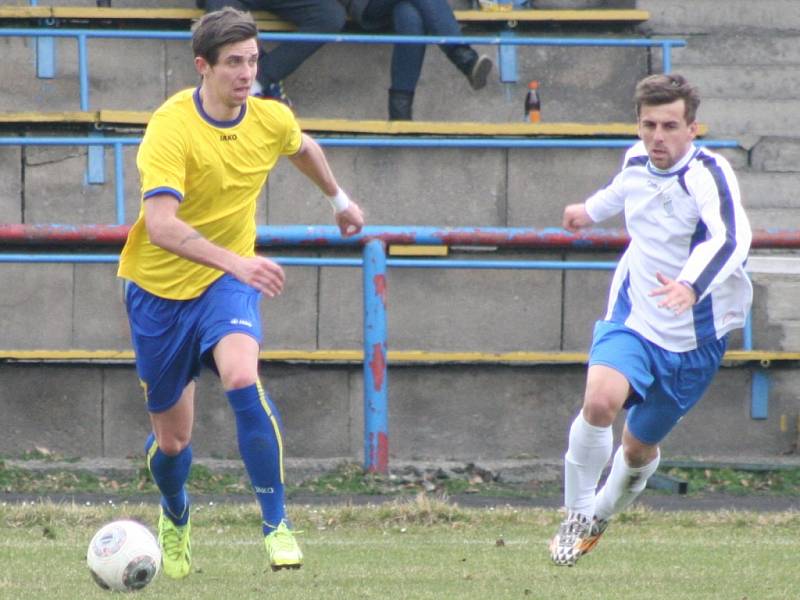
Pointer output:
x,y
400,103
475,68
480,71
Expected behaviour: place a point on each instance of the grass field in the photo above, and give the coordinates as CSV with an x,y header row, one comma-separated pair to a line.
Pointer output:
x,y
419,549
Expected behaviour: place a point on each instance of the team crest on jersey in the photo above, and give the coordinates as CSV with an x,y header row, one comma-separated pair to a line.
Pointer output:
x,y
666,204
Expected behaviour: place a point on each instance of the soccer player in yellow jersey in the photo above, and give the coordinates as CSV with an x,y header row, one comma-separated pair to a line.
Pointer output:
x,y
194,281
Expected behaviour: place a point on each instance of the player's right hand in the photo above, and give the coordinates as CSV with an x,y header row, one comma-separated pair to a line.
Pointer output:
x,y
261,273
350,220
575,217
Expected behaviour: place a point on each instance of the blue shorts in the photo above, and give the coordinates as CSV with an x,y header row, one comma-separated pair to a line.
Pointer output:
x,y
173,339
666,385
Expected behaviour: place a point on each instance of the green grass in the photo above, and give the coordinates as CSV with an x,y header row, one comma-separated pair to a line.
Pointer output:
x,y
419,549
350,479
346,479
731,481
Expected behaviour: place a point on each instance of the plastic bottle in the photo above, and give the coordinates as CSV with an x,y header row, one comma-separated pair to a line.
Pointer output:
x,y
532,103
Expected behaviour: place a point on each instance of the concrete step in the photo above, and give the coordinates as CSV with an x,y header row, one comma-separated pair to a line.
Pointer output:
x,y
680,17
745,82
782,300
763,218
732,48
782,192
737,117
777,154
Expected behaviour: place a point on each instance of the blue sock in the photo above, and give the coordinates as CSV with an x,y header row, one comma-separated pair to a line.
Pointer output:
x,y
170,474
258,429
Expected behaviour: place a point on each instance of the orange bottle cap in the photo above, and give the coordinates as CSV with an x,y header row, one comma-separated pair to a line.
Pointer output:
x,y
533,85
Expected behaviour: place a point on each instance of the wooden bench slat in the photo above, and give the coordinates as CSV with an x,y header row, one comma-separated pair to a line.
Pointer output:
x,y
467,128
375,127
90,12
394,356
49,117
25,12
162,14
269,22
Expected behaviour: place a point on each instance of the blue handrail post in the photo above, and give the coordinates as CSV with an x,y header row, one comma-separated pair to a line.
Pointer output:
x,y
95,162
507,64
83,72
760,382
666,57
45,58
119,183
376,417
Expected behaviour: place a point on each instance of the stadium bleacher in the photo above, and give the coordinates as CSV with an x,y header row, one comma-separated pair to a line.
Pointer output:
x,y
450,187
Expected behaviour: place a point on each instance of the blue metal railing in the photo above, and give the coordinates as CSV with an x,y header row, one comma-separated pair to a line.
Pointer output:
x,y
83,35
374,264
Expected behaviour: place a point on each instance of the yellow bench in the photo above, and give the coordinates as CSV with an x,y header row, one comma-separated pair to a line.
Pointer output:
x,y
139,119
270,22
762,357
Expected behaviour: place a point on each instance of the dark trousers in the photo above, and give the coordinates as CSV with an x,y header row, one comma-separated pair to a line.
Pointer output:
x,y
310,16
413,17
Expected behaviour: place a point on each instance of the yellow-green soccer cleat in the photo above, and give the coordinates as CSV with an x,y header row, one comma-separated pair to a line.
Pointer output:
x,y
282,549
176,547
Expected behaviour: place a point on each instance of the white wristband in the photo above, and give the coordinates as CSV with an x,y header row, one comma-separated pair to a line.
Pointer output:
x,y
340,201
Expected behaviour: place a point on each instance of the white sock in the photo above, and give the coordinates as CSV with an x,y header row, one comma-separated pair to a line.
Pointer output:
x,y
623,485
588,453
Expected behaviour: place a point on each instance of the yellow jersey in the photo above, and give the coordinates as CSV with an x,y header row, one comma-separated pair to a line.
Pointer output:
x,y
216,170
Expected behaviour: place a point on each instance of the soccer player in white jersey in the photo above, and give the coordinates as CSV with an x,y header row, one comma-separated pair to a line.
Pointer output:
x,y
678,290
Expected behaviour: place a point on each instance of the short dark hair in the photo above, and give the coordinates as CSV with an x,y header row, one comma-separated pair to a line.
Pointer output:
x,y
221,27
666,89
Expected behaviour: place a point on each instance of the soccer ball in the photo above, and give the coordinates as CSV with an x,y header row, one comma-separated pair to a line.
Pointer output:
x,y
123,556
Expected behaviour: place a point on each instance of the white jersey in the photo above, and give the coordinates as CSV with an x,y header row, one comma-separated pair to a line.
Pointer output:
x,y
688,224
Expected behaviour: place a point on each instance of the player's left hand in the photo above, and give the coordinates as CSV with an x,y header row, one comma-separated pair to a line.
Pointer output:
x,y
350,220
678,297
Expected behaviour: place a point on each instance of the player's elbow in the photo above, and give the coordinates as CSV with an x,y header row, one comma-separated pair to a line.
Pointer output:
x,y
160,216
157,232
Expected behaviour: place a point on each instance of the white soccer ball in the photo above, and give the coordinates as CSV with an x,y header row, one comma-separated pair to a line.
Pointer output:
x,y
123,556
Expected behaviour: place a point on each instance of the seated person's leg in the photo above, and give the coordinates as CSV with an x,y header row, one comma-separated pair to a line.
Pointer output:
x,y
406,61
438,19
316,16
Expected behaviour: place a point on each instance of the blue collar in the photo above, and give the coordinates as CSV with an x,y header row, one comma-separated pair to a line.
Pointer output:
x,y
210,120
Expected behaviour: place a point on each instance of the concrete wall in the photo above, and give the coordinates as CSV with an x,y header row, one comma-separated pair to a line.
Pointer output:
x,y
745,65
454,413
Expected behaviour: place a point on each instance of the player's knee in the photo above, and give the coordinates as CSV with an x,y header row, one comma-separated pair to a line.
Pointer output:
x,y
238,378
599,409
173,444
637,456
